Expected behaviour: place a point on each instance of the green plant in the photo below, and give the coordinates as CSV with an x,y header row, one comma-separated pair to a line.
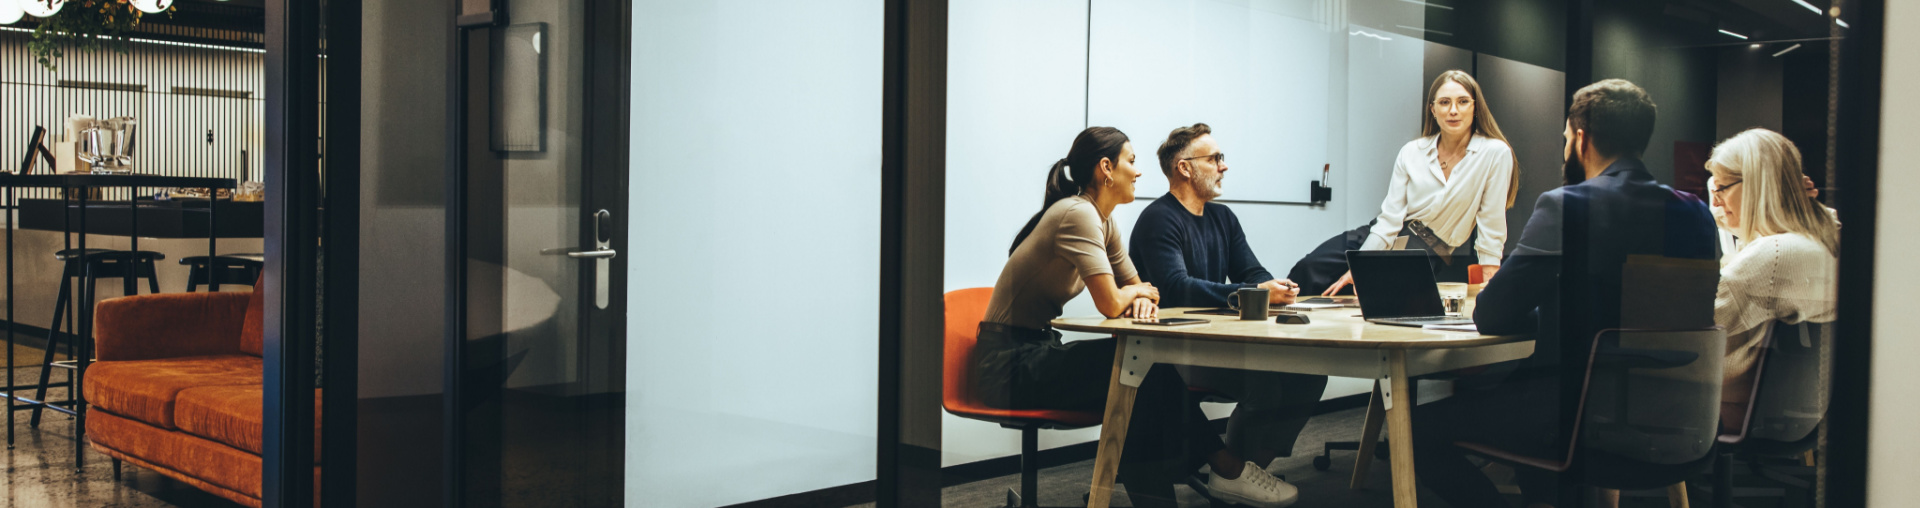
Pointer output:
x,y
84,24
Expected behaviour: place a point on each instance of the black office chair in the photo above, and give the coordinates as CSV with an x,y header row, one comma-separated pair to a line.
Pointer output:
x,y
88,269
234,269
1648,414
1786,406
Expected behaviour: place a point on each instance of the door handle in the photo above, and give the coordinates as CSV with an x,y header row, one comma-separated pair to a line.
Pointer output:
x,y
593,254
602,256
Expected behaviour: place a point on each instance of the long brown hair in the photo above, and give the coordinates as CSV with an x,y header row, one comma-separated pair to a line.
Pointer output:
x,y
1073,174
1483,123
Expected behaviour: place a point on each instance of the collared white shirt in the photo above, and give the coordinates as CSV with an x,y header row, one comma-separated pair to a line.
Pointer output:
x,y
1475,195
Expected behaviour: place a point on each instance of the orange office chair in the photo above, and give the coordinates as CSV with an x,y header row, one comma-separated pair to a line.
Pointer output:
x,y
965,309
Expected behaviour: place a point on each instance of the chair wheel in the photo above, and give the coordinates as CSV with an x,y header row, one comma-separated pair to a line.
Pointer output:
x,y
1322,463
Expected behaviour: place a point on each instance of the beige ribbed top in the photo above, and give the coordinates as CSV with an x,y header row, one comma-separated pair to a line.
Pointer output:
x,y
1071,242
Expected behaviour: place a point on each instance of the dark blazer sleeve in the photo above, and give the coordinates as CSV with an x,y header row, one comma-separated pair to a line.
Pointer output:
x,y
1157,254
1242,266
1510,304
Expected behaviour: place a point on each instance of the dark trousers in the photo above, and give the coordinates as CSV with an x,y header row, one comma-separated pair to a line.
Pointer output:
x,y
1518,415
1020,368
1271,407
1318,270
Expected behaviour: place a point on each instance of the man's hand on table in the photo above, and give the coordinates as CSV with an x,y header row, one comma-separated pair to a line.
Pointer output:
x,y
1281,291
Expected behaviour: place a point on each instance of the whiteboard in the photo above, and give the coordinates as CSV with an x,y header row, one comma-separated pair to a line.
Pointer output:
x,y
1257,74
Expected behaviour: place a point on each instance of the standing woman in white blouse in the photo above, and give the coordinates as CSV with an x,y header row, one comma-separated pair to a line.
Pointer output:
x,y
1451,187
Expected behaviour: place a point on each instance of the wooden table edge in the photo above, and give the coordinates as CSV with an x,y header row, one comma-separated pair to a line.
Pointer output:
x,y
1179,332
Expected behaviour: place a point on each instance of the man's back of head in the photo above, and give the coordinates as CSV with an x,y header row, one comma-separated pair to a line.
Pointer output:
x,y
1617,116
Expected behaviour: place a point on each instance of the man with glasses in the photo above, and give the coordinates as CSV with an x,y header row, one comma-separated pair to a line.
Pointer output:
x,y
1194,251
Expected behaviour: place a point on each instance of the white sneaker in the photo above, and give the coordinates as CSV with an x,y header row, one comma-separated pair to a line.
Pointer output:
x,y
1254,487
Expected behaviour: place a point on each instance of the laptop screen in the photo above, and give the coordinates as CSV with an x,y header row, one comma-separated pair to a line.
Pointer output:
x,y
1394,283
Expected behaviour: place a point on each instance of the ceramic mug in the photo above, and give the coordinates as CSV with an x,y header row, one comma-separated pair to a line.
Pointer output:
x,y
1251,302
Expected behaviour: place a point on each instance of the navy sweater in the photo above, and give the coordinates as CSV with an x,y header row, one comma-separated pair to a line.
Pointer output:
x,y
1194,261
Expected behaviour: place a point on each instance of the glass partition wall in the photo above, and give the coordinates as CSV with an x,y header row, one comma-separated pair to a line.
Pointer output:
x,y
1310,94
654,242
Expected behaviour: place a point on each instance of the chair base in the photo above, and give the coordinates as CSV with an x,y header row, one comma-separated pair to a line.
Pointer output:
x,y
1325,460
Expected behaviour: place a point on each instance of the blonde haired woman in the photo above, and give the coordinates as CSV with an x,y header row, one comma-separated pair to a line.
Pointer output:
x,y
1450,188
1786,261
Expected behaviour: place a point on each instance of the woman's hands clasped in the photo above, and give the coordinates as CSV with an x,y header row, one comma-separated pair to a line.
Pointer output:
x,y
1146,301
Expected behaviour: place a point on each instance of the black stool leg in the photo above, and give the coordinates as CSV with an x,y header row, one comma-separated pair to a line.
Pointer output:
x,y
152,275
116,470
53,342
196,274
1030,467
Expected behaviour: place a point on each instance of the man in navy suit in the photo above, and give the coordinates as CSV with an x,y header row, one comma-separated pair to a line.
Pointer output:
x,y
1562,284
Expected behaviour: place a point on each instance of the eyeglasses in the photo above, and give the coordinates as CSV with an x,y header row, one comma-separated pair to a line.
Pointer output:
x,y
1723,188
1216,158
1448,102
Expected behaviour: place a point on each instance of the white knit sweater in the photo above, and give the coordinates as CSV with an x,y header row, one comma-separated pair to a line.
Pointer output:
x,y
1785,277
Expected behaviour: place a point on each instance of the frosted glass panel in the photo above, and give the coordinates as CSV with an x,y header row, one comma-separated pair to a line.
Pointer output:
x,y
753,300
1255,71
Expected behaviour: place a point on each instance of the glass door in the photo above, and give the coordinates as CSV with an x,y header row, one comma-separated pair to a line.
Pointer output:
x,y
537,415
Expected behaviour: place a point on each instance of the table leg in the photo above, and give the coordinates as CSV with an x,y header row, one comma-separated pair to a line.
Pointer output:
x,y
213,278
76,391
1400,430
127,288
1369,438
1113,431
12,217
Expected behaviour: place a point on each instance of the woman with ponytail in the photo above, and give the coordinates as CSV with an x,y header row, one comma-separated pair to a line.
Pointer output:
x,y
1070,246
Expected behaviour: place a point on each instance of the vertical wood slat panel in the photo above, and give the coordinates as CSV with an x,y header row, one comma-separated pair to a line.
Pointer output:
x,y
173,121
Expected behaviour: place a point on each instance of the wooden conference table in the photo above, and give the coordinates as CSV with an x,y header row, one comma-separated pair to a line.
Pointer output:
x,y
1337,343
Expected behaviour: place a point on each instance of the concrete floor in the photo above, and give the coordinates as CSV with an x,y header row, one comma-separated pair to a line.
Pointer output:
x,y
1063,485
40,470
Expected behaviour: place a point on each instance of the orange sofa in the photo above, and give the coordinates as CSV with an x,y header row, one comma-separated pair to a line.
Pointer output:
x,y
177,388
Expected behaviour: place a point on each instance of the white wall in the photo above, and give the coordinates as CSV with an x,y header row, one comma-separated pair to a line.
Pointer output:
x,y
1894,456
1017,94
543,195
755,196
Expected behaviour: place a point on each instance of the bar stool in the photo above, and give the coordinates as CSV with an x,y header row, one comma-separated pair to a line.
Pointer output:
x,y
237,269
98,264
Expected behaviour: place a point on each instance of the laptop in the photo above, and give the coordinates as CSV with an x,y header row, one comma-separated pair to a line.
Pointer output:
x,y
1397,288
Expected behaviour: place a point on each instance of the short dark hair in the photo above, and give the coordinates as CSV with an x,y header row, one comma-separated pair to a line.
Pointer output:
x,y
1178,141
1616,114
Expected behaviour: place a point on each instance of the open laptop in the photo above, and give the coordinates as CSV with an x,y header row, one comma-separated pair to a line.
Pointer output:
x,y
1396,287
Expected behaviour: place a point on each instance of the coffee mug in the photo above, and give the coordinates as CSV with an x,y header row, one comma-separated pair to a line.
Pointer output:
x,y
1251,302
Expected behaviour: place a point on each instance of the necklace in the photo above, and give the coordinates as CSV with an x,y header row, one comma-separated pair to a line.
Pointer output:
x,y
1446,162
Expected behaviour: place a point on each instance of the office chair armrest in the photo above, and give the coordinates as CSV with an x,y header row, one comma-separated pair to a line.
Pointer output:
x,y
169,325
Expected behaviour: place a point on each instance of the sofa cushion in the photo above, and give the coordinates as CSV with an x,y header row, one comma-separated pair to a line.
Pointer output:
x,y
208,461
253,326
231,415
145,390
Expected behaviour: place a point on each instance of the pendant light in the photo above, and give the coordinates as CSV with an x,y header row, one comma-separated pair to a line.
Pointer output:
x,y
10,12
41,8
151,6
